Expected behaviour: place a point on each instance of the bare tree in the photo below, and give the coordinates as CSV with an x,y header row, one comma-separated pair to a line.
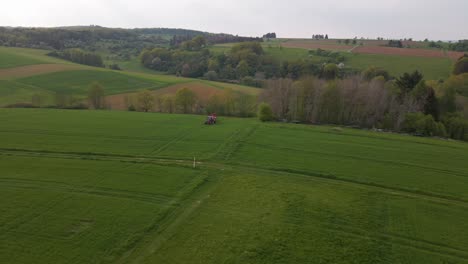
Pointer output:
x,y
278,94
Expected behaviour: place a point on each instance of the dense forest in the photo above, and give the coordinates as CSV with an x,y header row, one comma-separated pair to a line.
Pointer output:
x,y
123,43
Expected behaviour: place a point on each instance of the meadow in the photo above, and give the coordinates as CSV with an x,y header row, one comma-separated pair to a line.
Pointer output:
x,y
431,68
120,187
16,57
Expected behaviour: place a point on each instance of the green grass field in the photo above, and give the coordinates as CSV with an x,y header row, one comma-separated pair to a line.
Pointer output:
x,y
119,187
78,82
272,49
432,68
16,57
13,92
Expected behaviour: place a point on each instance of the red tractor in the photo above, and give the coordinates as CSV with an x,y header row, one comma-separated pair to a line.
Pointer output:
x,y
211,119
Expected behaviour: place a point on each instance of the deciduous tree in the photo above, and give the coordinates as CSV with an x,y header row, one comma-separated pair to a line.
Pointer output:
x,y
96,96
185,100
145,101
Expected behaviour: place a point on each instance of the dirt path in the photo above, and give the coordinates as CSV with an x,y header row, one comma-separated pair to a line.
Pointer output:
x,y
351,50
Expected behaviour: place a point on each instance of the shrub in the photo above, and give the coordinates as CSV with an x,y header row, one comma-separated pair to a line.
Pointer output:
x,y
250,81
330,71
461,66
457,126
372,72
424,125
211,75
115,67
265,113
21,105
131,108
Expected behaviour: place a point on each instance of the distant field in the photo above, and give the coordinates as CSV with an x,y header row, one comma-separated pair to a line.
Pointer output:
x,y
38,69
292,54
13,92
119,187
310,44
77,82
274,50
432,68
16,57
427,53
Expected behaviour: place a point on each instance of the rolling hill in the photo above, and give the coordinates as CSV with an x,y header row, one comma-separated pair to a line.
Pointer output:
x,y
28,72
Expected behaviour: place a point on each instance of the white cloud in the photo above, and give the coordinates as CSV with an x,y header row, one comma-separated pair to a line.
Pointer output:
x,y
291,18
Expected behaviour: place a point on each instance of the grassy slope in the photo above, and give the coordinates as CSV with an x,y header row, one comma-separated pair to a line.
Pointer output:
x,y
13,92
77,82
269,193
272,49
16,57
432,68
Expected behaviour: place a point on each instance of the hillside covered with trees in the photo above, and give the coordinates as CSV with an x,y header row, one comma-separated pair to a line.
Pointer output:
x,y
119,41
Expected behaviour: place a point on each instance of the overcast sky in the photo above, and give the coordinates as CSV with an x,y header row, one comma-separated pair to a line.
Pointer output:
x,y
434,19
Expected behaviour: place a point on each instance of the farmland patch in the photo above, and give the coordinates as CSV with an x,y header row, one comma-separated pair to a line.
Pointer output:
x,y
31,70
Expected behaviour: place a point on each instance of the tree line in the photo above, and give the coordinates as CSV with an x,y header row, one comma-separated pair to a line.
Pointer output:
x,y
185,101
320,36
407,104
81,57
122,43
270,35
461,45
395,44
226,102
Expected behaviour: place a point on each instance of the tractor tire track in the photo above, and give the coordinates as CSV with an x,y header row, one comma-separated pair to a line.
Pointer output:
x,y
234,143
178,138
394,190
89,190
164,228
385,162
